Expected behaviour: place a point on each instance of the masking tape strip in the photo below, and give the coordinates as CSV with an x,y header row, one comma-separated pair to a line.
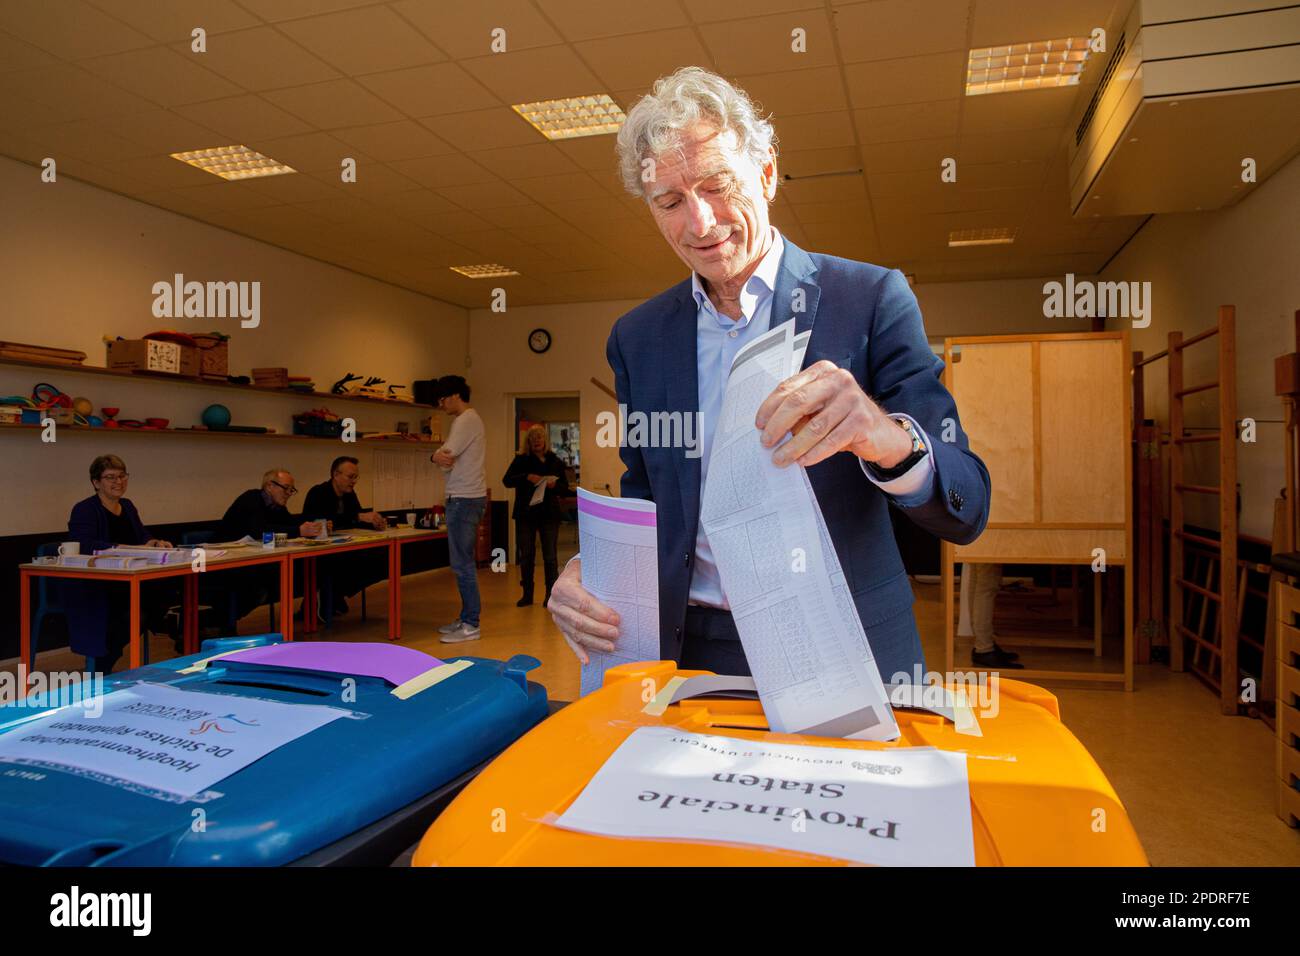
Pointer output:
x,y
662,699
963,716
202,665
433,675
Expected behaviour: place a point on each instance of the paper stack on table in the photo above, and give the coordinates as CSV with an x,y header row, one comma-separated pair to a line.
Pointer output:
x,y
807,650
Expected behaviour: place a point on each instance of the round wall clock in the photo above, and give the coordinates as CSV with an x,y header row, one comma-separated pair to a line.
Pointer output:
x,y
539,340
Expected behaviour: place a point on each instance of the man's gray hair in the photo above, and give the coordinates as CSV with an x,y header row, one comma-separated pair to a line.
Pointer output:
x,y
677,102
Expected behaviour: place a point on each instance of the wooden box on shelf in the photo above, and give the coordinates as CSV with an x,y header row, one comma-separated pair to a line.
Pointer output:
x,y
214,355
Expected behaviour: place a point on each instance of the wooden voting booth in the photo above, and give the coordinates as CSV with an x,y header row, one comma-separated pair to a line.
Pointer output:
x,y
1050,417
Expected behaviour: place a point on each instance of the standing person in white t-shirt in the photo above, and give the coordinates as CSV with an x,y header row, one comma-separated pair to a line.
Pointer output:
x,y
461,457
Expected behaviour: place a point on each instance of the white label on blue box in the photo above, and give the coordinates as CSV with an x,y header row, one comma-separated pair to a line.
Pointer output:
x,y
156,736
893,807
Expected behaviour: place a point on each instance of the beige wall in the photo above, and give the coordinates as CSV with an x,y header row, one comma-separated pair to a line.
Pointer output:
x,y
1247,256
79,263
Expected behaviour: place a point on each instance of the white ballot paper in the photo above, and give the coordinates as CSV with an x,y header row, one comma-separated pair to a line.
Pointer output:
x,y
539,493
897,807
805,645
620,567
159,738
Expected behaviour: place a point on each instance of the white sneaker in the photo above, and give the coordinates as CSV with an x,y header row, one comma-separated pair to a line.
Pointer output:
x,y
451,628
464,633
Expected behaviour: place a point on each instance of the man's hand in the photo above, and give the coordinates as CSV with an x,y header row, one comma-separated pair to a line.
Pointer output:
x,y
828,412
584,622
444,458
374,519
158,543
309,529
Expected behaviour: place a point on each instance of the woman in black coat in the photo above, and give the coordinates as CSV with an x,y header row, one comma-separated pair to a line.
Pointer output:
x,y
98,611
536,463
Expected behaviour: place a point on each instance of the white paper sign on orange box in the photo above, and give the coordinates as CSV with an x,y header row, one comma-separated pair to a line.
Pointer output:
x,y
892,807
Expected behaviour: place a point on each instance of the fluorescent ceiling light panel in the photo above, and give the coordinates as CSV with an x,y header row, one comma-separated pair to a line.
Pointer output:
x,y
1026,66
233,162
999,236
570,118
488,270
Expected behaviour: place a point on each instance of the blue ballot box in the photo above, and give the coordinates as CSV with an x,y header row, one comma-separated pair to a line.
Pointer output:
x,y
254,752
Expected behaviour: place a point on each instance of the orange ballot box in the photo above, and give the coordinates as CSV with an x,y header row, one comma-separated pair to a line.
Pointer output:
x,y
664,767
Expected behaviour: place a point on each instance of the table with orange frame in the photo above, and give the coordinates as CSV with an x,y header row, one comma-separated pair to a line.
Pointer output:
x,y
283,557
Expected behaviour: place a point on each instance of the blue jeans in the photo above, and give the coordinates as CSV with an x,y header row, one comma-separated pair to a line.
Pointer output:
x,y
463,516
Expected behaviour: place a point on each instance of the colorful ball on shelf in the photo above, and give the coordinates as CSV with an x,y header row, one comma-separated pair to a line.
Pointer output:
x,y
216,416
82,406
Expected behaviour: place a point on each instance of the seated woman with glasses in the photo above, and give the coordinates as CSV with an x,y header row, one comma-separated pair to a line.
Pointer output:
x,y
98,613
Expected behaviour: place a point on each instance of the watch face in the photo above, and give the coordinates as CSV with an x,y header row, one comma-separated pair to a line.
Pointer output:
x,y
539,340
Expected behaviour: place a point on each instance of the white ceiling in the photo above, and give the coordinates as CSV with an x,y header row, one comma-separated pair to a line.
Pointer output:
x,y
448,174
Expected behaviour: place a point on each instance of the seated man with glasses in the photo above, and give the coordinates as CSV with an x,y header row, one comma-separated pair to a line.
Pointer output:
x,y
336,500
98,611
256,512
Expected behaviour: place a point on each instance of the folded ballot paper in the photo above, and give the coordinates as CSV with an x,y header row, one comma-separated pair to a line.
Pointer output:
x,y
805,644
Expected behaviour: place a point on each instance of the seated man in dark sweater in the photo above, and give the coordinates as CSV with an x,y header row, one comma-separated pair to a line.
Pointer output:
x,y
336,500
254,513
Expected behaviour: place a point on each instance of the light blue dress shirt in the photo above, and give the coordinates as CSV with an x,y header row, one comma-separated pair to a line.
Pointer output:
x,y
718,339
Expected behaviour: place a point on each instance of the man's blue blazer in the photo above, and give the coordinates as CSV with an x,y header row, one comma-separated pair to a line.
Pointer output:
x,y
863,318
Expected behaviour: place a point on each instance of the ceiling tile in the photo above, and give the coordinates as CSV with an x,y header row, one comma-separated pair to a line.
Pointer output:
x,y
308,152
87,140
162,131
486,195
162,75
464,30
242,117
816,131
1014,21
484,129
631,62
706,11
405,139
766,44
333,104
517,162
915,79
68,92
529,75
292,188
791,92
373,180
453,169
264,59
70,29
923,154
1030,109
596,153
829,189
168,21
889,124
1038,145
887,29
549,189
816,212
364,41
589,19
430,90
17,55
274,10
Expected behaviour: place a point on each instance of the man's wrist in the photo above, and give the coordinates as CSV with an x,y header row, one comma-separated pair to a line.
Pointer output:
x,y
899,442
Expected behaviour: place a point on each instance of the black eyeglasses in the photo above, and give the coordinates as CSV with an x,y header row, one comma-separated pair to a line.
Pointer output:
x,y
115,477
287,490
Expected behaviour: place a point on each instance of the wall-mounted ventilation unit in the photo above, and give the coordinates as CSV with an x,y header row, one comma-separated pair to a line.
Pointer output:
x,y
1193,90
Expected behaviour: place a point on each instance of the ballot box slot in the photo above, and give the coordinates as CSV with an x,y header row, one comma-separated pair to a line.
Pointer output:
x,y
272,685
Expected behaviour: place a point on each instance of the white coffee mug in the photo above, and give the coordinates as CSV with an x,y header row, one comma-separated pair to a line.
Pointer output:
x,y
410,518
69,547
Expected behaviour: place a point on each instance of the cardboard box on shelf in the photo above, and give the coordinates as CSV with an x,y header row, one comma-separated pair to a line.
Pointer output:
x,y
214,355
150,355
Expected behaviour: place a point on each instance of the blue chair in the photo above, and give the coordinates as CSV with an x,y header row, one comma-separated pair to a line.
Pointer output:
x,y
192,538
